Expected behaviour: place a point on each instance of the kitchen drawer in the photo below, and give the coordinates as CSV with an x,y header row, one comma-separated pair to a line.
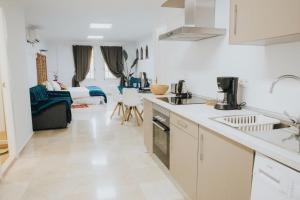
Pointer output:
x,y
184,124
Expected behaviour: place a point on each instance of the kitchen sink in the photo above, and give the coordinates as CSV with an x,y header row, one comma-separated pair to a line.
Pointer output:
x,y
265,128
250,123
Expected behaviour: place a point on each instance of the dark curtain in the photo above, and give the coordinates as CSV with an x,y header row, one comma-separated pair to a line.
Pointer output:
x,y
113,57
82,60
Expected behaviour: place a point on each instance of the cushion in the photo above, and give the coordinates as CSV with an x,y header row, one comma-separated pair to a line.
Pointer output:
x,y
62,86
39,93
134,82
48,85
56,86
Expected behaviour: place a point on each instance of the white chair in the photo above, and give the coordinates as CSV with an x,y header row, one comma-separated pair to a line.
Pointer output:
x,y
117,97
131,100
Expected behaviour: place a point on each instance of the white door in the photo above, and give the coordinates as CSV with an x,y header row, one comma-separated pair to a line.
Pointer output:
x,y
6,111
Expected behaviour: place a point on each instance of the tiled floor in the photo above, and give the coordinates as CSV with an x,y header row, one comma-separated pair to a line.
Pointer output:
x,y
95,158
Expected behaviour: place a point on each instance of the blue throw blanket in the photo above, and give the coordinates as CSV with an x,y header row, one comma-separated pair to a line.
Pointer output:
x,y
41,100
96,92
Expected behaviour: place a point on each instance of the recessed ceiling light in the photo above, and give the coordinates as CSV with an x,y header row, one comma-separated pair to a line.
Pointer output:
x,y
95,37
100,26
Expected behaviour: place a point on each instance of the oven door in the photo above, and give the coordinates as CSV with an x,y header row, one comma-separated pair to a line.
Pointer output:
x,y
161,142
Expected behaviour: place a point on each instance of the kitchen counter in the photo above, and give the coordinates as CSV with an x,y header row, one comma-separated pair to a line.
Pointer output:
x,y
204,114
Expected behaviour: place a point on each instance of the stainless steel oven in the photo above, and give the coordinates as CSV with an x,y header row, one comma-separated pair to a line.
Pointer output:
x,y
161,134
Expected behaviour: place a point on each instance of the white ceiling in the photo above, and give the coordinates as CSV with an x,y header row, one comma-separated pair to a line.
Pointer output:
x,y
70,19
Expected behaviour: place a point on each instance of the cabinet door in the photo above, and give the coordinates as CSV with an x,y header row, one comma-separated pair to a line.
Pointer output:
x,y
225,168
263,20
147,126
183,160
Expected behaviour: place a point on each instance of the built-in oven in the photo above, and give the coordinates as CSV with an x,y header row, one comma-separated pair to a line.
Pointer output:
x,y
161,134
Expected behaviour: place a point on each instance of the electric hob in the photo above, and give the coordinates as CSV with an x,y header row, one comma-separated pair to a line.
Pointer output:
x,y
183,101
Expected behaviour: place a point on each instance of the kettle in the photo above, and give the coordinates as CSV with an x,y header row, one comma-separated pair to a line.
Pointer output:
x,y
181,88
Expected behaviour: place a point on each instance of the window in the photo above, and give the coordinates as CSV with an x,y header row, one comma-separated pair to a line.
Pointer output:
x,y
108,74
91,74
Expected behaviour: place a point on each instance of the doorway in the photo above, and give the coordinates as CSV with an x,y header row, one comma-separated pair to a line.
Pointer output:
x,y
4,151
7,145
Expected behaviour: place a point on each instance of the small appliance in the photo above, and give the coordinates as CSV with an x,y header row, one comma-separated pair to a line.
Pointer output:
x,y
182,90
144,84
144,80
229,87
174,88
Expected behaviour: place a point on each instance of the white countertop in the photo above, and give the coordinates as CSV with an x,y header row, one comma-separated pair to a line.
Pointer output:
x,y
203,114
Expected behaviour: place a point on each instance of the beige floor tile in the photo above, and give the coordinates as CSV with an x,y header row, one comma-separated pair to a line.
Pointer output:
x,y
94,158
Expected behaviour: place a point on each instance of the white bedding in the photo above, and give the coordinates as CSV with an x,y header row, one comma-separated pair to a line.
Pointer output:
x,y
89,100
79,92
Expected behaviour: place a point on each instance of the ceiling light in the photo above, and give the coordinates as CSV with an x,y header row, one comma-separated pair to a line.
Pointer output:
x,y
100,26
95,37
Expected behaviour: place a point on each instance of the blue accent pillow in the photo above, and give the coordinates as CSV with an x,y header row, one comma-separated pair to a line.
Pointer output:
x,y
134,82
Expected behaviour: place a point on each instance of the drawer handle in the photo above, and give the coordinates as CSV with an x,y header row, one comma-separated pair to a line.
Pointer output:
x,y
235,19
269,176
201,147
182,124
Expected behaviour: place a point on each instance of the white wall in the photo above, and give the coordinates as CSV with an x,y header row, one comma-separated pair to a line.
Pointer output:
x,y
7,120
201,62
147,65
18,73
60,59
31,53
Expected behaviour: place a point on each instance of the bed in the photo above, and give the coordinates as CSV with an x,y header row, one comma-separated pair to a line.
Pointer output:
x,y
90,95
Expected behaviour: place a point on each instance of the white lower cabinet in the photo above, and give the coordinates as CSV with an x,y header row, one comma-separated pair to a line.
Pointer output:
x,y
183,160
272,180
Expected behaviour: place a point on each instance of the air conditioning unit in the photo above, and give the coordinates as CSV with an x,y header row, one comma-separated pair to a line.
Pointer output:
x,y
33,36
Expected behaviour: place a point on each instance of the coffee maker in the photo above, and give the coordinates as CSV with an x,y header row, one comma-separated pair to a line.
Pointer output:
x,y
229,87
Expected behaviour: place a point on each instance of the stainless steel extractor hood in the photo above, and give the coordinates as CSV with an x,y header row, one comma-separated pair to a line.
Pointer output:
x,y
199,21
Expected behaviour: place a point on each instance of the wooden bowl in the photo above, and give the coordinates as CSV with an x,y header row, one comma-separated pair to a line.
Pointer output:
x,y
159,89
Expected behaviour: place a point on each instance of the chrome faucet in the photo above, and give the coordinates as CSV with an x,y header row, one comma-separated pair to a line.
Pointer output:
x,y
295,122
288,76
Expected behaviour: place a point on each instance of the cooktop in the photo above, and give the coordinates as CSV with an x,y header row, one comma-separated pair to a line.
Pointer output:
x,y
183,101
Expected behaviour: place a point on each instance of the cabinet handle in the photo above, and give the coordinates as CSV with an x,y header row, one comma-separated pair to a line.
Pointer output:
x,y
269,176
201,147
235,18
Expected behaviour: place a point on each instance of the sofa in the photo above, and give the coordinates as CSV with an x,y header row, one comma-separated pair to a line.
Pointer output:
x,y
50,109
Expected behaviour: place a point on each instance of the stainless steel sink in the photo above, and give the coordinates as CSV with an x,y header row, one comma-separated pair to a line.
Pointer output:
x,y
249,123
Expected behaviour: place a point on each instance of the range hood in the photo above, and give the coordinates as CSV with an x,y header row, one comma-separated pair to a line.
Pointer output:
x,y
199,21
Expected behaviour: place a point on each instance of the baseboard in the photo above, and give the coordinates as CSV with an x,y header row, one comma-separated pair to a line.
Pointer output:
x,y
19,151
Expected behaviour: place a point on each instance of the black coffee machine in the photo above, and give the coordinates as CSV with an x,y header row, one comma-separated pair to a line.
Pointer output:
x,y
228,86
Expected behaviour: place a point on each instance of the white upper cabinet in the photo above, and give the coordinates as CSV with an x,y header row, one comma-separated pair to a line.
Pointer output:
x,y
264,22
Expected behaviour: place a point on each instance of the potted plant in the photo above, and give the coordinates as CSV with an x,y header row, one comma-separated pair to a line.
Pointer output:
x,y
128,69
